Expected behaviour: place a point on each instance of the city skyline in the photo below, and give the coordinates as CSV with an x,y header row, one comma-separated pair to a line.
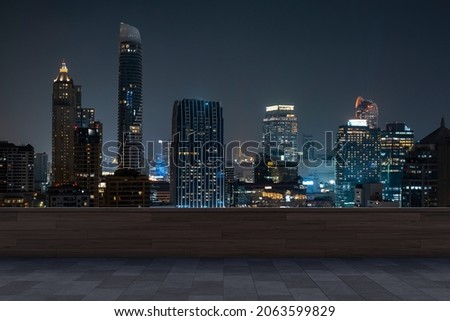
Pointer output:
x,y
398,60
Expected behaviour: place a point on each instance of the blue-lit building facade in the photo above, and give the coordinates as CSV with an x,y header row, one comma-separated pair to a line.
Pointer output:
x,y
357,159
129,129
395,142
197,166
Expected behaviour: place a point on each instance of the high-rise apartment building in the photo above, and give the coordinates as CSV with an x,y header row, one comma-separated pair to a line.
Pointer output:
x,y
395,142
40,171
280,129
88,159
368,110
65,107
16,168
426,177
357,159
129,126
197,160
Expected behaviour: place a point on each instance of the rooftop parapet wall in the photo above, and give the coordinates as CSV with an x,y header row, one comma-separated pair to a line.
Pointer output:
x,y
170,232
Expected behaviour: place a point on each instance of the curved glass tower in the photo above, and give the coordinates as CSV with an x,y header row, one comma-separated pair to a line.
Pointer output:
x,y
130,99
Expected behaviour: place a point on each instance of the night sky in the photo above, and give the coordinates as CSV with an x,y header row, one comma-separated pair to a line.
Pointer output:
x,y
317,55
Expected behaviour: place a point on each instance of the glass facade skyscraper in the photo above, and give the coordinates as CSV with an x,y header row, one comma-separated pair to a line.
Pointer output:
x,y
280,128
395,142
357,159
129,129
197,159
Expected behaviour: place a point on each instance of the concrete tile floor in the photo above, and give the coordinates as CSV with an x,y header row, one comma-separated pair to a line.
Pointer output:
x,y
224,279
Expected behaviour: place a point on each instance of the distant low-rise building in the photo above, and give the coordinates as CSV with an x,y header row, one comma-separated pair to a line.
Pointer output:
x,y
67,196
269,195
159,193
370,195
127,188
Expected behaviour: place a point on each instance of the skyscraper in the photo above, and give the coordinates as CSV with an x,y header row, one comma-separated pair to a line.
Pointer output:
x,y
426,177
197,161
88,158
357,159
76,138
368,110
395,142
40,171
66,104
280,128
130,99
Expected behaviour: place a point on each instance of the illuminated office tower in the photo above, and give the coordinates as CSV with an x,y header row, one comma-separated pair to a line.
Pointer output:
x,y
130,99
65,106
368,110
395,142
357,159
197,165
76,139
280,128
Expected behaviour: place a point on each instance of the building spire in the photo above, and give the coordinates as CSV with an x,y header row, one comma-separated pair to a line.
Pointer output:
x,y
63,67
442,121
359,101
63,75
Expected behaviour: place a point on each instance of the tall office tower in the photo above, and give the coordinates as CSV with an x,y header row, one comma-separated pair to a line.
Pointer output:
x,y
65,107
88,159
395,142
130,99
76,138
357,159
16,168
280,128
40,172
426,177
368,110
197,164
